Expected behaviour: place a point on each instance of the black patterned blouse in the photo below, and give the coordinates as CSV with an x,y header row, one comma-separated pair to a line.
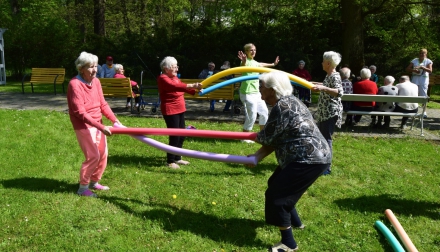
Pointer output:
x,y
292,132
329,106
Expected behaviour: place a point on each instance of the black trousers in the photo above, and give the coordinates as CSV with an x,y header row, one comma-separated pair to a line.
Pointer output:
x,y
175,121
285,188
400,109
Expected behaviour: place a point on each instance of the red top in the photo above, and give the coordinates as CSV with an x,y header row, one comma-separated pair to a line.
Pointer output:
x,y
171,91
133,83
87,105
302,73
365,87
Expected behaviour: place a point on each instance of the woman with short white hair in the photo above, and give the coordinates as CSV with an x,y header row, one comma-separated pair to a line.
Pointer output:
x,y
172,104
329,111
301,151
86,106
364,86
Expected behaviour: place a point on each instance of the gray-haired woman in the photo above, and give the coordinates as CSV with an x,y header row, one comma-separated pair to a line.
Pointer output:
x,y
301,151
329,111
86,106
172,104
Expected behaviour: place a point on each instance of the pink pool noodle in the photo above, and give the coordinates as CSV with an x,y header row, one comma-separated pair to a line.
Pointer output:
x,y
185,132
400,231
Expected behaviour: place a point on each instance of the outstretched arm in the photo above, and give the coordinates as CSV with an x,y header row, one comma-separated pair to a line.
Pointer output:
x,y
277,59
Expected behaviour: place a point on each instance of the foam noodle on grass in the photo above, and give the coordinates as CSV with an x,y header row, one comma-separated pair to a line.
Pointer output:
x,y
404,238
389,236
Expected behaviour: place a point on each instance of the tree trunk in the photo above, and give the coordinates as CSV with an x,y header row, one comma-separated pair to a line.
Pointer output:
x,y
99,17
80,19
353,37
15,7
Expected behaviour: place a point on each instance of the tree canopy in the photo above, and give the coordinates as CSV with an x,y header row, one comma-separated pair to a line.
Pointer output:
x,y
139,33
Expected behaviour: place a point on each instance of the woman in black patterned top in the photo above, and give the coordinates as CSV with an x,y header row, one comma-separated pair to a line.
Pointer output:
x,y
302,153
329,111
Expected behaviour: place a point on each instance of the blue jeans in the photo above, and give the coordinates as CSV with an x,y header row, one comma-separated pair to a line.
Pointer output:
x,y
226,108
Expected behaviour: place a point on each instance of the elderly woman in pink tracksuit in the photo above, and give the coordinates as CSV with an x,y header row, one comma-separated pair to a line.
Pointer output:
x,y
86,106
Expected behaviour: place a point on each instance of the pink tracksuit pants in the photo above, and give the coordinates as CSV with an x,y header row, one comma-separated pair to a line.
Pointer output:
x,y
93,143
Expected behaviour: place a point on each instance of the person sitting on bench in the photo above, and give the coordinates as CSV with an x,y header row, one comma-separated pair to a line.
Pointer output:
x,y
406,88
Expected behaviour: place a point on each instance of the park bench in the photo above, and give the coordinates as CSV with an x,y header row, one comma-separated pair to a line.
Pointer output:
x,y
224,93
118,87
389,98
45,76
433,80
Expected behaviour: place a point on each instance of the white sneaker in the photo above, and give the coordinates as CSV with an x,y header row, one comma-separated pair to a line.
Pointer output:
x,y
280,245
220,101
137,105
128,104
247,141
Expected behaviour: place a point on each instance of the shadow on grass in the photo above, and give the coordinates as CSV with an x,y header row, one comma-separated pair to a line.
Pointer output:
x,y
236,231
39,185
399,205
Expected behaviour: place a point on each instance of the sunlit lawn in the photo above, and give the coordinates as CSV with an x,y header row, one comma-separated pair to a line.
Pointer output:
x,y
217,206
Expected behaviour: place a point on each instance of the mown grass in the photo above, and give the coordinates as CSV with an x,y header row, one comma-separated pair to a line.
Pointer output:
x,y
218,206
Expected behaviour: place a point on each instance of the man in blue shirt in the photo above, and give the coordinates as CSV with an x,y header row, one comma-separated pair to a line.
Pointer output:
x,y
107,70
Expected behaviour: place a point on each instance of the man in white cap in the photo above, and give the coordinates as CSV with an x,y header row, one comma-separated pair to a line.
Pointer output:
x,y
107,70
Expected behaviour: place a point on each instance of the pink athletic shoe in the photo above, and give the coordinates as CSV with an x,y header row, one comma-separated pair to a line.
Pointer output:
x,y
100,187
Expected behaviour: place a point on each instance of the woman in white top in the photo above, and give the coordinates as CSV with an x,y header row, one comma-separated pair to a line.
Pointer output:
x,y
420,68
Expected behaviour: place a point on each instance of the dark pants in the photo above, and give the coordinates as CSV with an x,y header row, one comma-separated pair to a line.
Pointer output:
x,y
405,119
175,121
285,188
387,119
304,94
226,108
327,129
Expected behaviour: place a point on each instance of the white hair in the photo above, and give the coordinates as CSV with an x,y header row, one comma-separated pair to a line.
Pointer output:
x,y
365,73
278,81
168,62
333,57
345,73
85,59
118,66
390,79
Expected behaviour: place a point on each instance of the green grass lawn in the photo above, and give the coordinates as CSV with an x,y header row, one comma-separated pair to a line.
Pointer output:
x,y
218,206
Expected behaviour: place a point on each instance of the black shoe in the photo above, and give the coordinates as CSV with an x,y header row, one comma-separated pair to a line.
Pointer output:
x,y
379,125
226,110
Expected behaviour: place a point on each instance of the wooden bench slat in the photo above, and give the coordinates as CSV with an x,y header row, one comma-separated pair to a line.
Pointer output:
x,y
45,76
117,87
224,93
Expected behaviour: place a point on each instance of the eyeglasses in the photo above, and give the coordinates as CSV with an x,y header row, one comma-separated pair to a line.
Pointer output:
x,y
174,67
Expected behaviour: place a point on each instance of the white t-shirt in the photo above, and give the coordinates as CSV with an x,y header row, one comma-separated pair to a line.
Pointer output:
x,y
417,63
408,89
